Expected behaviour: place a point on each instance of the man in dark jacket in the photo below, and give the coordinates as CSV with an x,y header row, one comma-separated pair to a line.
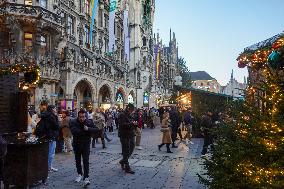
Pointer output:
x,y
51,123
206,124
175,123
81,129
126,133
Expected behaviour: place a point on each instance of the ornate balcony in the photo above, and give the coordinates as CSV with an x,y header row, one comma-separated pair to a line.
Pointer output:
x,y
27,12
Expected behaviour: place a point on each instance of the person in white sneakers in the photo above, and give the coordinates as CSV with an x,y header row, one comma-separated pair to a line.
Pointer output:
x,y
187,119
81,129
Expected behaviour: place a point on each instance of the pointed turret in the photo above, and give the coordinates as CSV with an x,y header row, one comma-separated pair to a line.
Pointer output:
x,y
170,34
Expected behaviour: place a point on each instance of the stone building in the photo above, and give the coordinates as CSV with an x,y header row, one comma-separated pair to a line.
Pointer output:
x,y
165,68
234,88
104,69
202,80
141,18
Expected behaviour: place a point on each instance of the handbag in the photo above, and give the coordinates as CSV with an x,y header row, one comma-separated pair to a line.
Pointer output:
x,y
164,129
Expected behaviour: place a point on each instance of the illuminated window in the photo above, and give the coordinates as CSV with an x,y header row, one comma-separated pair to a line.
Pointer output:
x,y
28,2
28,40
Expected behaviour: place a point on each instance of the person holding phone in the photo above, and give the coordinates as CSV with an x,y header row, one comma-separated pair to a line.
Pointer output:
x,y
81,129
126,133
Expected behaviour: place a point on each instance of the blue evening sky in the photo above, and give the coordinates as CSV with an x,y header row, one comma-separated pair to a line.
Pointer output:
x,y
212,33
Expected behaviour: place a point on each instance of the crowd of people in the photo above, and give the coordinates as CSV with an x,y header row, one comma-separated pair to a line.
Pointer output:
x,y
75,132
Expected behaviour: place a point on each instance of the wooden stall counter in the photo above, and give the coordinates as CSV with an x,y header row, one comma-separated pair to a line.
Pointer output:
x,y
25,163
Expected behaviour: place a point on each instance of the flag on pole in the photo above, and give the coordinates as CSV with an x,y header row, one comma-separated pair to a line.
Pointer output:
x,y
93,10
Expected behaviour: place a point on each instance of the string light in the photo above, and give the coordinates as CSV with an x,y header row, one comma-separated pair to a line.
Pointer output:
x,y
259,56
22,68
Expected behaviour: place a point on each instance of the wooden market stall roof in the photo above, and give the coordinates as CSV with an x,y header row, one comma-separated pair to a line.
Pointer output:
x,y
202,101
187,89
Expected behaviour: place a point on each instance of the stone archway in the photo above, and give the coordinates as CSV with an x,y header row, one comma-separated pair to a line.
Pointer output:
x,y
104,98
120,98
130,98
83,95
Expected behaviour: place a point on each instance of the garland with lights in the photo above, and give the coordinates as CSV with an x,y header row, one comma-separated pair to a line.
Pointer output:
x,y
250,140
31,72
257,58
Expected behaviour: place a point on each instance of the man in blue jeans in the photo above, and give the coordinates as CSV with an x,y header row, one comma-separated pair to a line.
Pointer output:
x,y
51,122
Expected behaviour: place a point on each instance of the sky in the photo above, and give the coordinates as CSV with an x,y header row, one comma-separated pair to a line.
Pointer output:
x,y
212,33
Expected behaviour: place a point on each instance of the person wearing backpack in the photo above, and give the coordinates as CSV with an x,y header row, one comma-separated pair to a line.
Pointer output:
x,y
48,128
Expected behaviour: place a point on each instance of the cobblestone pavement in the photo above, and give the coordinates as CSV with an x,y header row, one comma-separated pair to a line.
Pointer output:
x,y
153,168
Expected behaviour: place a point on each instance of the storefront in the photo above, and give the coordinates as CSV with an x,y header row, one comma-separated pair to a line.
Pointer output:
x,y
119,101
146,99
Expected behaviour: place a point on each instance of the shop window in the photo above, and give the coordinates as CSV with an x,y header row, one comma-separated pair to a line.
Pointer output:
x,y
28,40
28,2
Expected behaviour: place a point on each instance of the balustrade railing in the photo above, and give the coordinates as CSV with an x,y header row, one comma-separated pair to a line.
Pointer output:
x,y
28,10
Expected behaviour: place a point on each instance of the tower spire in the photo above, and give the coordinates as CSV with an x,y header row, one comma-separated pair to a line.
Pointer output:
x,y
170,34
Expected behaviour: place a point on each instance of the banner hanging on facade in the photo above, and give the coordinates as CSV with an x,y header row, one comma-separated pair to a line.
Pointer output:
x,y
126,36
157,62
112,11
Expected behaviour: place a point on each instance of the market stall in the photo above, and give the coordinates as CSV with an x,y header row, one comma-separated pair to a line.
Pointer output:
x,y
26,160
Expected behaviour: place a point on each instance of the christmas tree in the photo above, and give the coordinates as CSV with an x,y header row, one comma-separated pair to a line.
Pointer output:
x,y
249,151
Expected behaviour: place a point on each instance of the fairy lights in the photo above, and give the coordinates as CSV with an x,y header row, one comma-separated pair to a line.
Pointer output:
x,y
22,68
259,56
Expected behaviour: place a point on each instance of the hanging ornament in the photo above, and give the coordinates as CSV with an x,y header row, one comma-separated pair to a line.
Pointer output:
x,y
274,60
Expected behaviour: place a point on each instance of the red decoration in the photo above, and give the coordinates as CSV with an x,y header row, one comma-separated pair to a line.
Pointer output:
x,y
241,64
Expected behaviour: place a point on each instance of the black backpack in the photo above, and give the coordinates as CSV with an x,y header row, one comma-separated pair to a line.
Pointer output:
x,y
41,129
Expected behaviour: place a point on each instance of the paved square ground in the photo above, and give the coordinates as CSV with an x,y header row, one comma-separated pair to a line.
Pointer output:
x,y
153,168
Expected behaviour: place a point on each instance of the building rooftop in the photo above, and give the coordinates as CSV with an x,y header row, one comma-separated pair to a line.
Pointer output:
x,y
200,75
